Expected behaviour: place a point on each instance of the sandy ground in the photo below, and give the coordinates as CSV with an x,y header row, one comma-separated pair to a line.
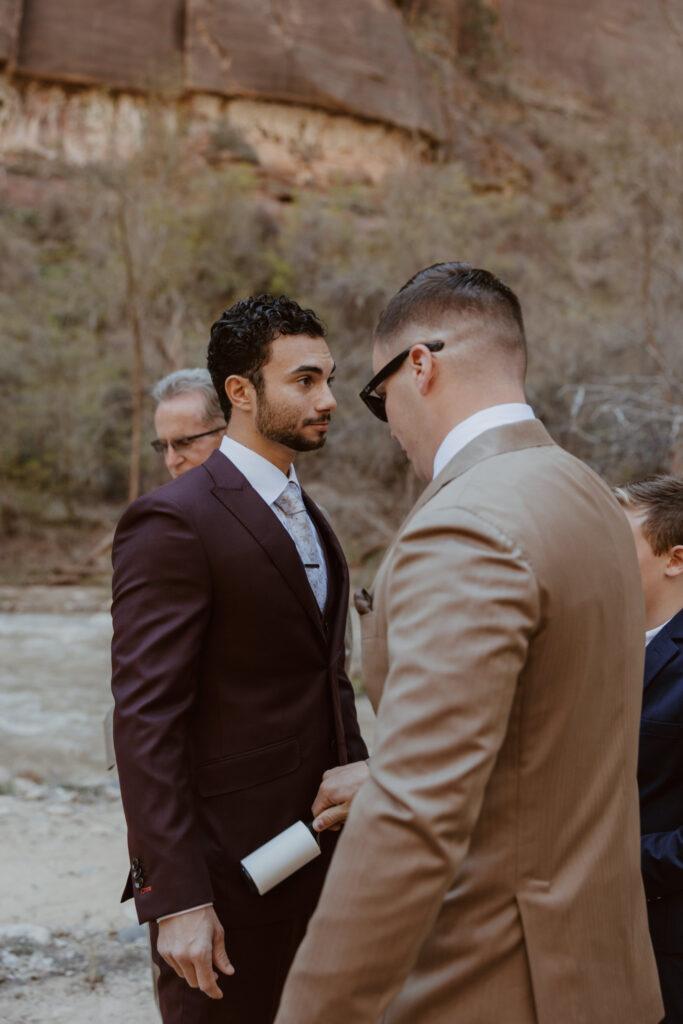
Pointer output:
x,y
69,951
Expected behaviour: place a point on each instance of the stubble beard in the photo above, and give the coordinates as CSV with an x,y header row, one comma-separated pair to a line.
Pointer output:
x,y
281,426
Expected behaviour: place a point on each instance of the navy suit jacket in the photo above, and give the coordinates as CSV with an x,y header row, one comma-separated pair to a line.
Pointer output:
x,y
660,780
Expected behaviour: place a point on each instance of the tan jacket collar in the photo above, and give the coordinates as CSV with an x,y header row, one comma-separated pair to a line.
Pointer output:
x,y
510,437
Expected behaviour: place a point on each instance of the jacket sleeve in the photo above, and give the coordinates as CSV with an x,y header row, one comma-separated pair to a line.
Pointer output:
x,y
160,609
662,863
462,604
355,744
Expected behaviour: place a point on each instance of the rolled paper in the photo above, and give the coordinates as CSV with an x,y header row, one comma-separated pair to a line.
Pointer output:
x,y
280,857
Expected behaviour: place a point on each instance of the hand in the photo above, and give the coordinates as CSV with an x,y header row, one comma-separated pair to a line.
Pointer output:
x,y
337,790
192,944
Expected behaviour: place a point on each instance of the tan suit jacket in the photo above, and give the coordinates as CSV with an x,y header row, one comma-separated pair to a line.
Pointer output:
x,y
489,871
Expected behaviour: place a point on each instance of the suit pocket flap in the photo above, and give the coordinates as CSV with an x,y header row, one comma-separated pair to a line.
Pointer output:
x,y
651,728
240,771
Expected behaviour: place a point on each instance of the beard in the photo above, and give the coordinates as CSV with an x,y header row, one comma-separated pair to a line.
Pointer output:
x,y
280,424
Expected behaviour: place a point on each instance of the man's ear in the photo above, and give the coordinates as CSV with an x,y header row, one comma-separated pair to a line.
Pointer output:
x,y
240,391
674,567
423,365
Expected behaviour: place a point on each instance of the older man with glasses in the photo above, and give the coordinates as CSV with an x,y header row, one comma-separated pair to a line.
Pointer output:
x,y
189,425
188,419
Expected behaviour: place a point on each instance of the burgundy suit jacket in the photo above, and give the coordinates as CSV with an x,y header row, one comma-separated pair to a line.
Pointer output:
x,y
230,690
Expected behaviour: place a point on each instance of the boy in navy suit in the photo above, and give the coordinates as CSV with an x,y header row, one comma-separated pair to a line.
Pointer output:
x,y
655,511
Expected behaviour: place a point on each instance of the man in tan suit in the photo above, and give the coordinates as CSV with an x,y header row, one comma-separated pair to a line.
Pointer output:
x,y
489,871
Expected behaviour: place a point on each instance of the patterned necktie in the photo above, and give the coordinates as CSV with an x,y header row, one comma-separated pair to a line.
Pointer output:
x,y
302,532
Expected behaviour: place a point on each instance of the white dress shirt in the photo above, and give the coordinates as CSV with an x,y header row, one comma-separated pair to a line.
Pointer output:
x,y
267,480
462,433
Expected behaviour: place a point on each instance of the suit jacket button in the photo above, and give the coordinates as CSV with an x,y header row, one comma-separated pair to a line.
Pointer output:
x,y
136,862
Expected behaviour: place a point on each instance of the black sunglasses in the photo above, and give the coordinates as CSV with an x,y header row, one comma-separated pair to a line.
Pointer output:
x,y
376,404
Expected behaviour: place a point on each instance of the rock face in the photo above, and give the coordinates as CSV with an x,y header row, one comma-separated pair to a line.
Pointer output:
x,y
353,57
10,12
122,43
341,57
623,50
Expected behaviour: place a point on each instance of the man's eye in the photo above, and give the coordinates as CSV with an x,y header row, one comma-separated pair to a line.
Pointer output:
x,y
181,443
305,381
331,381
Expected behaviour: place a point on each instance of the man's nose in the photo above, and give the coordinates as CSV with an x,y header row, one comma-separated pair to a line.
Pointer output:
x,y
326,400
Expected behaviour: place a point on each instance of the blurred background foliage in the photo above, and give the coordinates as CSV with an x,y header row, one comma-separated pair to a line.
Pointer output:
x,y
589,237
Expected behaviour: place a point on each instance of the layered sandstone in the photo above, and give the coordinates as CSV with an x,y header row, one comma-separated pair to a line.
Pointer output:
x,y
296,143
353,57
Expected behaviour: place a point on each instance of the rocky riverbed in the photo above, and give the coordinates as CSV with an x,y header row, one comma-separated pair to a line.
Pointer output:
x,y
70,952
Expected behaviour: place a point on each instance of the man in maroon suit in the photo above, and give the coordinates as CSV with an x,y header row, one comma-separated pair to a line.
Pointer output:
x,y
230,597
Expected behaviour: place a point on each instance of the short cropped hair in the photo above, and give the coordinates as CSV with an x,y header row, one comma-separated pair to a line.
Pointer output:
x,y
458,288
242,335
184,382
659,500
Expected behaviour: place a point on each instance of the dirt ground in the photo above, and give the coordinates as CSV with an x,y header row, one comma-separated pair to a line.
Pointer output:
x,y
69,950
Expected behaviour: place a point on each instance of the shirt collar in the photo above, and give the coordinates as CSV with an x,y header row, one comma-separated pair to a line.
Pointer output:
x,y
462,433
267,480
650,634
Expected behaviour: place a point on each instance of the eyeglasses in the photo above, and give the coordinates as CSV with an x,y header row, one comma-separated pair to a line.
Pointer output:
x,y
375,403
179,444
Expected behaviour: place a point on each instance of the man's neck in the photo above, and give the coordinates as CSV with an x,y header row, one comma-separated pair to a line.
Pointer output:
x,y
447,415
244,434
664,607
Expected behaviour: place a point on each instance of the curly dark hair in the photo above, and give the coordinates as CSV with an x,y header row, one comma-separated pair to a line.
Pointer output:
x,y
242,335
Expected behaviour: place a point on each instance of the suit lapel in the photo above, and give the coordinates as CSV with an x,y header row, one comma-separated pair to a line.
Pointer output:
x,y
335,613
337,577
660,651
240,499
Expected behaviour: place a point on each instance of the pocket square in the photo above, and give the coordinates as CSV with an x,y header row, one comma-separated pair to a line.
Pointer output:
x,y
362,601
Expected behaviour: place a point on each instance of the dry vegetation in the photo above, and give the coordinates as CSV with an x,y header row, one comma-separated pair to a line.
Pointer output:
x,y
112,276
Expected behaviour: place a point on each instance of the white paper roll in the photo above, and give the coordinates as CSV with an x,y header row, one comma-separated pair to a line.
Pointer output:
x,y
280,857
